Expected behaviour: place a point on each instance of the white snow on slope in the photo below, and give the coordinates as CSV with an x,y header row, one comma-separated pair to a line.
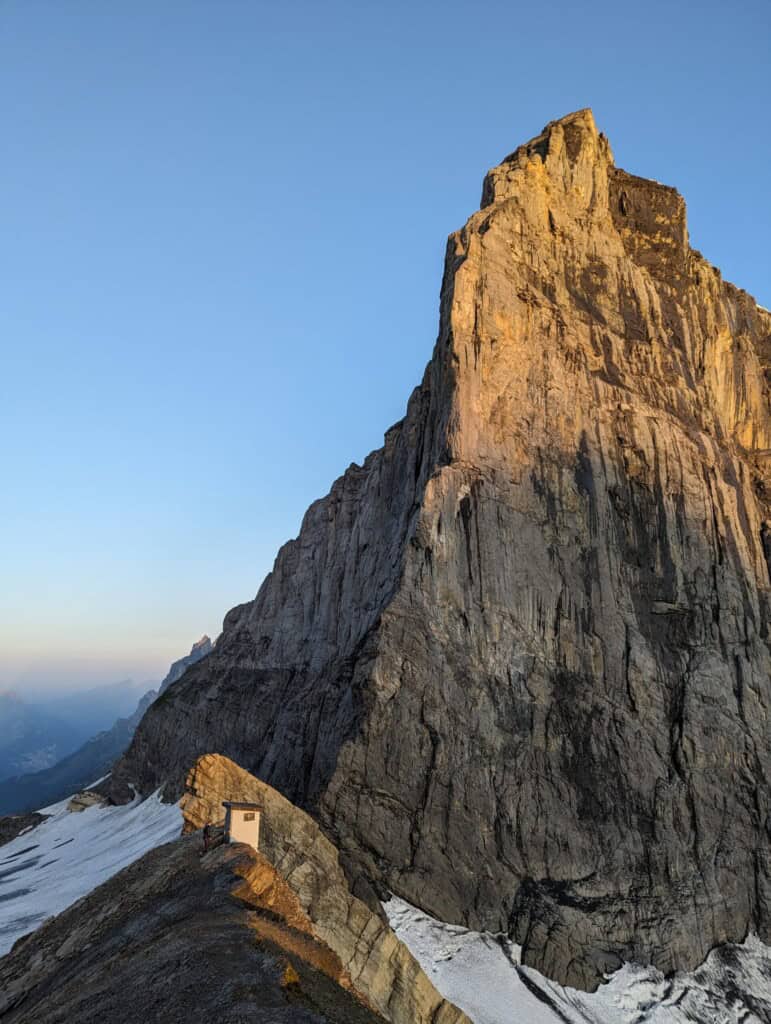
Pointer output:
x,y
48,868
482,975
473,970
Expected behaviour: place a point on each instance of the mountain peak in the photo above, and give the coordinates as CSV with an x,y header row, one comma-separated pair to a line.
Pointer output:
x,y
565,155
518,662
204,644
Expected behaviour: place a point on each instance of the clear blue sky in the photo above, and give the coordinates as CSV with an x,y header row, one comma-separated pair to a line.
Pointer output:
x,y
223,226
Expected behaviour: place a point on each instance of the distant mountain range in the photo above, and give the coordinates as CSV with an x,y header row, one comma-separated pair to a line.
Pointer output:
x,y
36,734
30,738
40,741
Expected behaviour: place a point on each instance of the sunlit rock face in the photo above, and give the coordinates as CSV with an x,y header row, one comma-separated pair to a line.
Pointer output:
x,y
296,874
517,663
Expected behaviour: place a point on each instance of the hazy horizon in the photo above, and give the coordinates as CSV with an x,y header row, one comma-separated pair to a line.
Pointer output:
x,y
37,676
37,679
224,233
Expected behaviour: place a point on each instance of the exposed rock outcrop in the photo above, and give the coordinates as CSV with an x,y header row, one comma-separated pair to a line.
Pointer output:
x,y
178,668
174,938
517,663
232,935
83,800
295,849
15,824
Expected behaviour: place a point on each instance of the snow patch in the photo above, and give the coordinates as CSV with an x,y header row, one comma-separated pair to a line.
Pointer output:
x,y
97,781
45,870
476,971
482,974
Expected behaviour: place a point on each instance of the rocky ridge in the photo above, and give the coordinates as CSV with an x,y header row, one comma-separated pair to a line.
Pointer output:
x,y
232,934
173,938
198,651
16,824
377,965
517,663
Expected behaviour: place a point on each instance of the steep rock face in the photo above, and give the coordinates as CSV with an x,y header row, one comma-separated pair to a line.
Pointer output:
x,y
517,664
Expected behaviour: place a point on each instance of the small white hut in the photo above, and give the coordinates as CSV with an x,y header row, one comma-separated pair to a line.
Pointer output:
x,y
242,823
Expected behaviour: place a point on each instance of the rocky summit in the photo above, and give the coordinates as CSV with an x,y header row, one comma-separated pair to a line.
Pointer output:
x,y
517,664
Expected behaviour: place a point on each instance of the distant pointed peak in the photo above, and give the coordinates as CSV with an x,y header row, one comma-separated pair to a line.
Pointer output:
x,y
203,643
